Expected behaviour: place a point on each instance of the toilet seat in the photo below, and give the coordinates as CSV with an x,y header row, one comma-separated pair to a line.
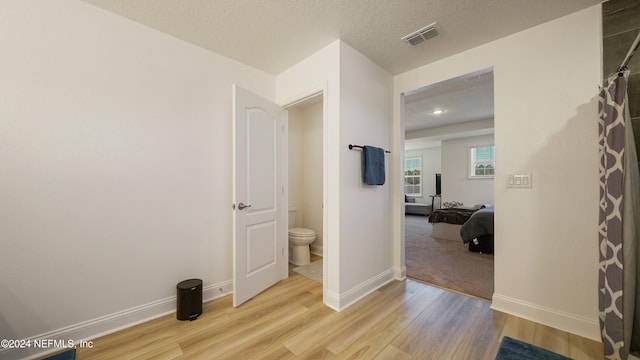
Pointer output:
x,y
301,232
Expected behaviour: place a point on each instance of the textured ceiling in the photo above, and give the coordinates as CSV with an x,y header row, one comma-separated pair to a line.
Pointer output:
x,y
273,35
463,99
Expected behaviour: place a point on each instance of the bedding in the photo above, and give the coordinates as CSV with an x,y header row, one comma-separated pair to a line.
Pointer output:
x,y
472,226
447,222
479,224
456,216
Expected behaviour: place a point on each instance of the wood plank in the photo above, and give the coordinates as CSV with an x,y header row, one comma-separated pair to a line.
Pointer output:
x,y
519,329
237,334
417,336
375,341
316,353
313,335
402,320
482,338
166,351
390,352
366,320
443,336
584,349
551,339
270,343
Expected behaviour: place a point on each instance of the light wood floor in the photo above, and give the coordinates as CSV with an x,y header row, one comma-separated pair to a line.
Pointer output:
x,y
402,320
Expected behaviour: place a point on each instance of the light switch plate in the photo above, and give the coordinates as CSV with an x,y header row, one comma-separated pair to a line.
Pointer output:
x,y
520,181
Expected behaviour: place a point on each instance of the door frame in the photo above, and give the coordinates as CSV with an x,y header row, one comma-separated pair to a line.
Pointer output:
x,y
320,90
399,242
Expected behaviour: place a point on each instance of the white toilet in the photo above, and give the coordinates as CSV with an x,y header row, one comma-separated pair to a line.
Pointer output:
x,y
299,241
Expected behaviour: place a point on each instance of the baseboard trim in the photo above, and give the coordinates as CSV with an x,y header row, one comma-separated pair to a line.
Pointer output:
x,y
400,273
353,295
318,250
332,300
571,323
111,323
215,291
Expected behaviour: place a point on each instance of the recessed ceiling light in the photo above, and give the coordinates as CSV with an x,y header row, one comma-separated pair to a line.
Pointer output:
x,y
437,112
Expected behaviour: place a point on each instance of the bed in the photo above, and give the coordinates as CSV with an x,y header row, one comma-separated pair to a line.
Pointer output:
x,y
478,231
471,226
447,222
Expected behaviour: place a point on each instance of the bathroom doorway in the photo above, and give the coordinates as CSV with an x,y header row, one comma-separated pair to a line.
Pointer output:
x,y
305,138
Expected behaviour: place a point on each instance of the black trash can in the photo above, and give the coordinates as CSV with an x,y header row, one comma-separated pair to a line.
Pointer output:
x,y
189,299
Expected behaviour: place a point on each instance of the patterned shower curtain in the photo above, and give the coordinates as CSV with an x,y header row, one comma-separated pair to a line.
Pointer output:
x,y
618,218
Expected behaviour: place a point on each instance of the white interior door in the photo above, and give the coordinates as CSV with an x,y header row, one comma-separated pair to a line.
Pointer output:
x,y
260,224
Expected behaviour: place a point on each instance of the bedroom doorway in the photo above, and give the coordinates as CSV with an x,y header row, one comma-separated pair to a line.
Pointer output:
x,y
444,124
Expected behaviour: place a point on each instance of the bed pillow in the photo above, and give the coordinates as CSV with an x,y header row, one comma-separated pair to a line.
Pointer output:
x,y
451,204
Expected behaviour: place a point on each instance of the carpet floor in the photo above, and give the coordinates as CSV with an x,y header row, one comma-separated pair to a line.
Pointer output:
x,y
445,263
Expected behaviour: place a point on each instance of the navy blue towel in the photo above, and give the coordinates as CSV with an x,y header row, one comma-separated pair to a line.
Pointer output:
x,y
372,165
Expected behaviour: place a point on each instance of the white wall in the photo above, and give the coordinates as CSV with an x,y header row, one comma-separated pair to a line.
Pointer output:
x,y
313,155
115,155
321,72
456,184
305,169
296,162
365,119
431,164
546,78
357,109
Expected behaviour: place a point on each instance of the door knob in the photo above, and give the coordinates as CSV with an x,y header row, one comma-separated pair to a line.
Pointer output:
x,y
242,206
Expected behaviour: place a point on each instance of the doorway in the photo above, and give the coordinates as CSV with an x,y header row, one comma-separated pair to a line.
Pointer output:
x,y
442,123
305,149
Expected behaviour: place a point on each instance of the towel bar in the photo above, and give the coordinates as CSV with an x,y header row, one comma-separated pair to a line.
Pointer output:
x,y
351,146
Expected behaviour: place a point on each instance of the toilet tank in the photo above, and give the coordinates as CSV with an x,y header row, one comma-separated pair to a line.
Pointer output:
x,y
292,217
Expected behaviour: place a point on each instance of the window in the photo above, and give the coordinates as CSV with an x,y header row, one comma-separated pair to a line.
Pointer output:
x,y
413,176
483,162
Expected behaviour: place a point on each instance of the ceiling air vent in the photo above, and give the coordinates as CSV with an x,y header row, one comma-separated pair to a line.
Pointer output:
x,y
421,35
